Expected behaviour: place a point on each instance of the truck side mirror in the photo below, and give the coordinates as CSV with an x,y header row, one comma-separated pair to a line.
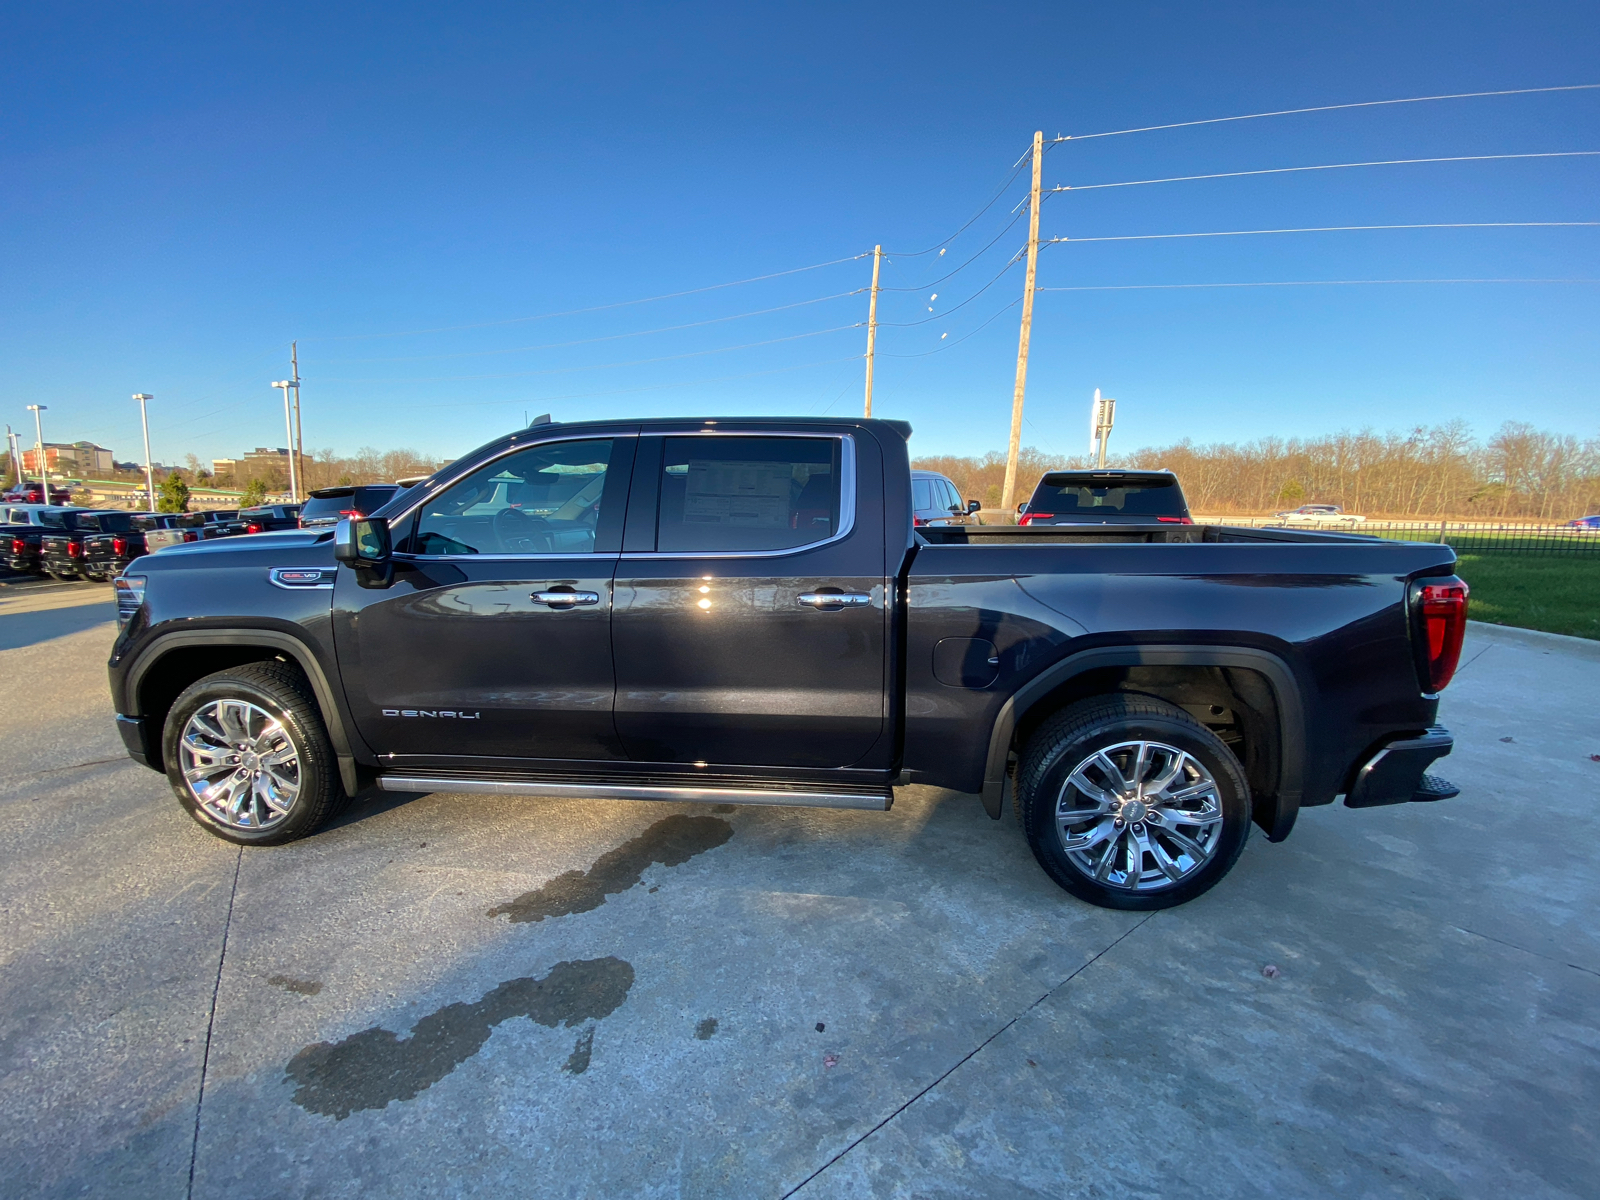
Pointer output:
x,y
363,542
973,506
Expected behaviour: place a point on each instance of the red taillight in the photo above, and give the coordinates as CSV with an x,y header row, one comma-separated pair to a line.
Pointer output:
x,y
18,546
74,549
189,535
1442,607
1030,518
1175,520
916,521
252,528
119,546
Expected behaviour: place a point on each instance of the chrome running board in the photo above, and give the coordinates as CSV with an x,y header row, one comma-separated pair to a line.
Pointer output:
x,y
874,801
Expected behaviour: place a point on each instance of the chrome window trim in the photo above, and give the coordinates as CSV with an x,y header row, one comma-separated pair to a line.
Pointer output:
x,y
847,498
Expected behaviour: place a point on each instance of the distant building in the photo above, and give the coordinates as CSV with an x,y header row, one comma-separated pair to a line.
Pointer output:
x,y
75,458
265,456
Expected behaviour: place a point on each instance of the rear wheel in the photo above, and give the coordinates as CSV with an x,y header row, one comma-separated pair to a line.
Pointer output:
x,y
248,756
1129,802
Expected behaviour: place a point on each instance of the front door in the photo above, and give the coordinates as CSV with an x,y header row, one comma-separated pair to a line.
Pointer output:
x,y
494,639
750,624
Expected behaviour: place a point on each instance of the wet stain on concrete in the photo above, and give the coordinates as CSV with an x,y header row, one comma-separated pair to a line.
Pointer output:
x,y
670,842
373,1067
723,808
304,987
578,1062
706,1029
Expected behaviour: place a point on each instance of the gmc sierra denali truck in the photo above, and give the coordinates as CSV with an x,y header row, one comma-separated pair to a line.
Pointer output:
x,y
740,610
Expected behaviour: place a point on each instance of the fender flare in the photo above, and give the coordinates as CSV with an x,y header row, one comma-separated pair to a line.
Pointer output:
x,y
295,648
1279,676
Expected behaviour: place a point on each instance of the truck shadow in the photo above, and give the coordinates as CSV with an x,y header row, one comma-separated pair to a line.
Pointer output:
x,y
30,628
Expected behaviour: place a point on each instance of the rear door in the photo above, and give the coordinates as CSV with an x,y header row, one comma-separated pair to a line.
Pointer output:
x,y
494,639
750,625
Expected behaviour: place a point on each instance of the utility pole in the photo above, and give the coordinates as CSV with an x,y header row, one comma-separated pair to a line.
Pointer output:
x,y
44,475
299,449
288,425
1009,494
872,321
149,473
11,447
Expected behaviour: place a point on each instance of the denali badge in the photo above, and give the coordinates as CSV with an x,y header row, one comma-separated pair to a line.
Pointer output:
x,y
430,712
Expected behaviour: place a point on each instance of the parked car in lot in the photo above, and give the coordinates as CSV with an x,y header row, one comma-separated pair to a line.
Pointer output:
x,y
22,536
1106,498
32,493
1319,514
935,500
268,518
66,552
744,612
328,506
195,527
107,552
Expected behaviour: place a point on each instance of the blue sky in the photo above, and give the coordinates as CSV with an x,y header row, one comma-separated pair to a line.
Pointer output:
x,y
186,188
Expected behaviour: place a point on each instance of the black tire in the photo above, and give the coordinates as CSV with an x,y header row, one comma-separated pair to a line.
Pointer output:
x,y
1068,739
281,692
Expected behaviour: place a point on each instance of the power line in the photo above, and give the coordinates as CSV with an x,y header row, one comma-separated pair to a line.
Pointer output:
x,y
1139,287
947,345
993,200
936,282
637,362
648,387
1144,237
1288,112
1015,259
572,312
610,337
1387,162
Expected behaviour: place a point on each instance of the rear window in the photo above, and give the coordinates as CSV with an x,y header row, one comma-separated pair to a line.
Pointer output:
x,y
107,522
724,495
364,500
1148,497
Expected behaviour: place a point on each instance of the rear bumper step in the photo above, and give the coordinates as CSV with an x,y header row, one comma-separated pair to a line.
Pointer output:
x,y
1396,773
870,799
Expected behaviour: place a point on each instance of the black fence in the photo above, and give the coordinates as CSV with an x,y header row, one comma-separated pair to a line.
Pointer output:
x,y
1478,538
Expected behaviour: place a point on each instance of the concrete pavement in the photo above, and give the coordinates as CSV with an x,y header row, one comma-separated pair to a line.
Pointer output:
x,y
469,995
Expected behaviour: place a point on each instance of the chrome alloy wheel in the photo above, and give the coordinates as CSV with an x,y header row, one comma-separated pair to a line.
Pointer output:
x,y
1139,815
239,764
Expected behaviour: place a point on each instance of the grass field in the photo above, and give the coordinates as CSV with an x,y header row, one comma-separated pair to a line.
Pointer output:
x,y
1557,595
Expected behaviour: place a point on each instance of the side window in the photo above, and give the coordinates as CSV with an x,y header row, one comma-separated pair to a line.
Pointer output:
x,y
921,494
542,500
951,499
731,494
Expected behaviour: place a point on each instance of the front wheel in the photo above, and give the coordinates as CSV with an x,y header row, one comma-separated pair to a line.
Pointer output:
x,y
248,755
1129,802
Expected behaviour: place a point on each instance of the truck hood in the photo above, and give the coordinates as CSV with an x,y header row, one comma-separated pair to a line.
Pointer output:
x,y
285,539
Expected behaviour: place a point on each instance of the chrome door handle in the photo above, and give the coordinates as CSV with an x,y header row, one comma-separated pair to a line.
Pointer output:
x,y
566,599
833,599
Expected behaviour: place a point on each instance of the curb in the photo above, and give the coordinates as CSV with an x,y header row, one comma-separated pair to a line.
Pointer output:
x,y
1535,639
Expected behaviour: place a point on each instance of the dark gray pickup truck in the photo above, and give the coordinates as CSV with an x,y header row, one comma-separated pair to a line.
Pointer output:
x,y
740,610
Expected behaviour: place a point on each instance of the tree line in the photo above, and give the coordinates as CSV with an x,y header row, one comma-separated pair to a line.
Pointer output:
x,y
1519,473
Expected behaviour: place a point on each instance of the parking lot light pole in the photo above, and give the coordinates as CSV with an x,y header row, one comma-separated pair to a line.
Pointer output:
x,y
149,473
288,422
44,476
